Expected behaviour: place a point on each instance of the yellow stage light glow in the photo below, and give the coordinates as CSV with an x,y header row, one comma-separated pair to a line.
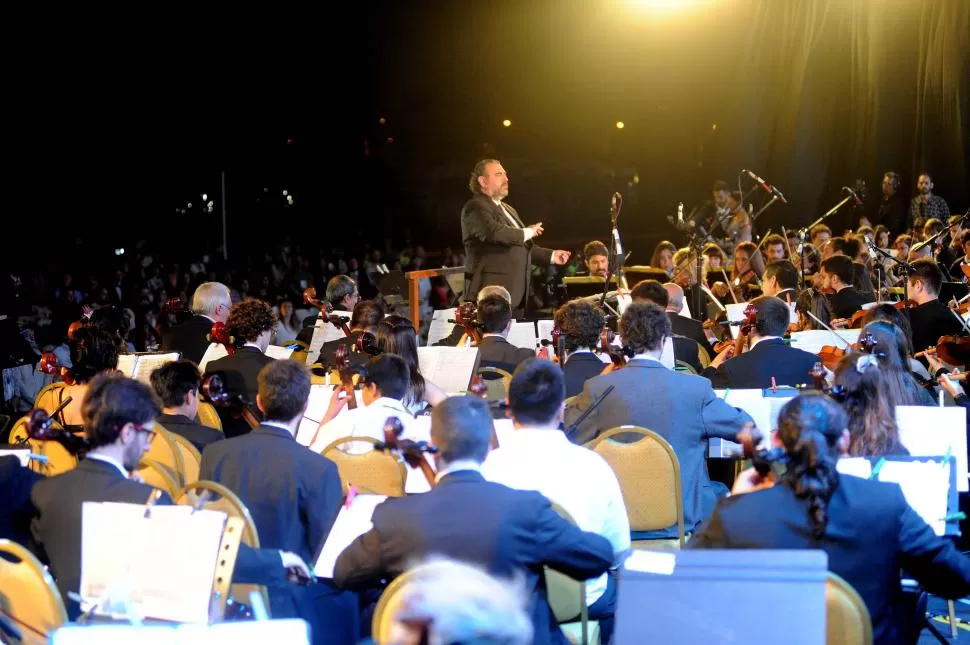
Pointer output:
x,y
619,125
668,6
506,123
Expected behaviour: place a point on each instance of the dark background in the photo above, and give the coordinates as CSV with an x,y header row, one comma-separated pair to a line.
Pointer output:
x,y
109,136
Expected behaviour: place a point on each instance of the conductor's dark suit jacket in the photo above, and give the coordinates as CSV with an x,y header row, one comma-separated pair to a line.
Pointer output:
x,y
57,526
189,338
495,253
239,374
872,533
754,369
468,519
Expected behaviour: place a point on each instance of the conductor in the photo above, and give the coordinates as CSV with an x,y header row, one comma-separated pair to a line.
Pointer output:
x,y
499,248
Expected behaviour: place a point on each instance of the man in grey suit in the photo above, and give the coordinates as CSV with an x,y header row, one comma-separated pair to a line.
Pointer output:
x,y
682,408
499,248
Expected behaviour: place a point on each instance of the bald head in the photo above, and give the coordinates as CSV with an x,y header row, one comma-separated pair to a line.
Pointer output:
x,y
675,296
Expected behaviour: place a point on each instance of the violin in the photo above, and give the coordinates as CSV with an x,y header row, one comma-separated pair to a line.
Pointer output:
x,y
953,350
49,365
412,452
310,298
220,334
346,372
831,355
618,357
466,316
744,332
214,390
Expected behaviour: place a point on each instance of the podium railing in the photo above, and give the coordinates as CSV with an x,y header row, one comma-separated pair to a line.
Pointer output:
x,y
413,277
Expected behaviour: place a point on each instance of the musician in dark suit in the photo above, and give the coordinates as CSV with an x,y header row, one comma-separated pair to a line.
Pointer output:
x,y
867,528
251,323
682,408
499,248
769,361
367,315
469,519
118,415
457,331
342,294
177,385
292,493
580,323
931,318
682,325
686,350
837,272
16,482
210,304
495,319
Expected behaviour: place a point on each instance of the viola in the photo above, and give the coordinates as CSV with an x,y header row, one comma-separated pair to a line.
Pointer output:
x,y
220,334
214,390
411,452
346,372
466,316
49,365
310,298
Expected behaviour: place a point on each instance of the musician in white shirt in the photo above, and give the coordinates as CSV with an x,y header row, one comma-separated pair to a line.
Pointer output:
x,y
385,384
539,457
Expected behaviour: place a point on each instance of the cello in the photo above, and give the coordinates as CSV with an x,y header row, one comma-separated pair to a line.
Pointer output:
x,y
411,452
54,449
346,372
326,310
618,357
214,390
466,317
49,365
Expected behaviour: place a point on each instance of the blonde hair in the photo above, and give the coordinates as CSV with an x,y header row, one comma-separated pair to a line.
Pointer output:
x,y
208,296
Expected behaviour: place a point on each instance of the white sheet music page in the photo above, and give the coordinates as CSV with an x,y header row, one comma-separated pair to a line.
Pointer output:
x,y
145,364
126,364
162,565
450,368
440,327
544,329
323,332
214,352
352,522
934,432
317,407
856,466
523,334
813,340
925,485
279,353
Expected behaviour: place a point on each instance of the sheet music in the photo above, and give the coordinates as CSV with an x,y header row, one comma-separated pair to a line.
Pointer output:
x,y
925,484
279,353
22,454
544,329
450,368
523,334
214,352
317,407
855,466
145,364
934,432
812,340
323,332
162,565
351,523
126,364
440,327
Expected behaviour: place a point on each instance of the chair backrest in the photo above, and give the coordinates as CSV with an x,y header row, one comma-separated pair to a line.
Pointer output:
x,y
158,475
299,355
191,458
496,382
703,358
684,366
221,499
49,397
58,458
390,602
28,594
374,472
847,620
566,596
165,451
208,416
649,474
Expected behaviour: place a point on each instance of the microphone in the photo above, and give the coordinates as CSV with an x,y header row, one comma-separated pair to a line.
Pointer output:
x,y
680,213
766,186
854,196
872,248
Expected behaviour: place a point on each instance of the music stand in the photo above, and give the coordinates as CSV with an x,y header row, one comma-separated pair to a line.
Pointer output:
x,y
585,286
637,274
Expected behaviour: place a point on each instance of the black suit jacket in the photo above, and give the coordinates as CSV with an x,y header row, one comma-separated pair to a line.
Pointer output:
x,y
199,435
872,532
847,302
580,368
188,338
471,520
292,492
930,321
328,352
495,253
16,482
755,368
239,374
57,526
498,352
684,326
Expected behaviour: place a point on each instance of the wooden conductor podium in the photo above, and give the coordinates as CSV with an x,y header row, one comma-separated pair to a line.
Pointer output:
x,y
414,276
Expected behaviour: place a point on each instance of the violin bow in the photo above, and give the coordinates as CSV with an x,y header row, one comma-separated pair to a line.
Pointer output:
x,y
952,308
834,333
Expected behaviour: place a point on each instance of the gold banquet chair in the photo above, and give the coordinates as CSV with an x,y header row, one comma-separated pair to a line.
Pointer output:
x,y
847,620
28,594
496,382
649,474
373,472
165,451
191,458
567,599
58,458
50,396
159,476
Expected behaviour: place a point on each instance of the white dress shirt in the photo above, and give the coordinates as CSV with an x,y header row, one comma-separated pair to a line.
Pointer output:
x,y
109,460
527,233
368,421
575,478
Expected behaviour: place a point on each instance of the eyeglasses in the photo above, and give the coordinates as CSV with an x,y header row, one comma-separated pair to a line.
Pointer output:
x,y
148,430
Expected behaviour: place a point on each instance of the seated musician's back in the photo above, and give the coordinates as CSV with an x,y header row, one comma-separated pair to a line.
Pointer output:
x,y
867,528
580,323
210,304
682,408
495,318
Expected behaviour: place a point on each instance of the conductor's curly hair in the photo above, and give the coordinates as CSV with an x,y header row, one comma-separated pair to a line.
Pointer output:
x,y
580,322
248,319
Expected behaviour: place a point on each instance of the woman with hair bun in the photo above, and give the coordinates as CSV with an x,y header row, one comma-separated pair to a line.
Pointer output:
x,y
866,528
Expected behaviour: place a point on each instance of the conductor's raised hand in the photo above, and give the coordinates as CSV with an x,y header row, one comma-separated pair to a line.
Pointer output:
x,y
560,257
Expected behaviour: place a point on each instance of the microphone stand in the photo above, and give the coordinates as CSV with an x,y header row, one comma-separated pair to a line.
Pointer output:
x,y
617,260
774,198
803,232
904,266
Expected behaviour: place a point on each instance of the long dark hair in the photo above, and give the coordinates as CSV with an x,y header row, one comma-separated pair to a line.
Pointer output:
x,y
810,426
396,335
865,397
890,345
